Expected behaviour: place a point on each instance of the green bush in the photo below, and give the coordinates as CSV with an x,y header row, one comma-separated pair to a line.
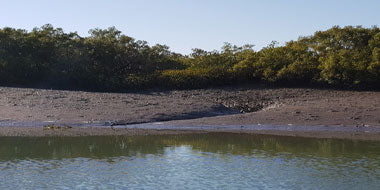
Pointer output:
x,y
110,61
196,78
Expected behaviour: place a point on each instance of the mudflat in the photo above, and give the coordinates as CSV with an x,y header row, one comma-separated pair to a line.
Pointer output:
x,y
224,106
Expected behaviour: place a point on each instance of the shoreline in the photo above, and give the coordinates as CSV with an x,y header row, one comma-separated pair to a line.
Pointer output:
x,y
307,112
163,128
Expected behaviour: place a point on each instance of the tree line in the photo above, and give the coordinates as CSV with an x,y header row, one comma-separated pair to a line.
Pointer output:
x,y
108,60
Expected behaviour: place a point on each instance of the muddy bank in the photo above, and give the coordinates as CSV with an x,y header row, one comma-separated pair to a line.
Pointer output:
x,y
83,131
337,132
243,105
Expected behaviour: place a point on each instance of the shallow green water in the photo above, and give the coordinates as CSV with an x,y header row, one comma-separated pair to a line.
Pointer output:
x,y
203,161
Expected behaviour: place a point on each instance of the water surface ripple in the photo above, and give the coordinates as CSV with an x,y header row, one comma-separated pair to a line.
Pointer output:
x,y
191,161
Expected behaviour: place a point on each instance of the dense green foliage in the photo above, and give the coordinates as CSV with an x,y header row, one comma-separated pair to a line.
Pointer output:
x,y
105,60
109,60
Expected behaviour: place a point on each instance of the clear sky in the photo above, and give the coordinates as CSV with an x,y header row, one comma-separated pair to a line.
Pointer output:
x,y
187,24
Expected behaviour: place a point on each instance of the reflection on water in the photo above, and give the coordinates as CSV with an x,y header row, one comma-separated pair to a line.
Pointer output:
x,y
208,161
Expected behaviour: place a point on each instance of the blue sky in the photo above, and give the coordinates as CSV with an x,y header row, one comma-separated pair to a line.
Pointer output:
x,y
187,24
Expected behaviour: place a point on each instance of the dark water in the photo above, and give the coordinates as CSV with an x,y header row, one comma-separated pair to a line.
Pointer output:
x,y
202,161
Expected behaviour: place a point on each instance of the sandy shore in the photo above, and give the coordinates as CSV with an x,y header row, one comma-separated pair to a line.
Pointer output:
x,y
227,106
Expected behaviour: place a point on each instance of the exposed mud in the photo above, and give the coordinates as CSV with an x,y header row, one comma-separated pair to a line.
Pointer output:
x,y
244,105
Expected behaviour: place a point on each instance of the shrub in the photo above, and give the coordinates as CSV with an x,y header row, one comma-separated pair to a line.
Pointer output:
x,y
196,78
